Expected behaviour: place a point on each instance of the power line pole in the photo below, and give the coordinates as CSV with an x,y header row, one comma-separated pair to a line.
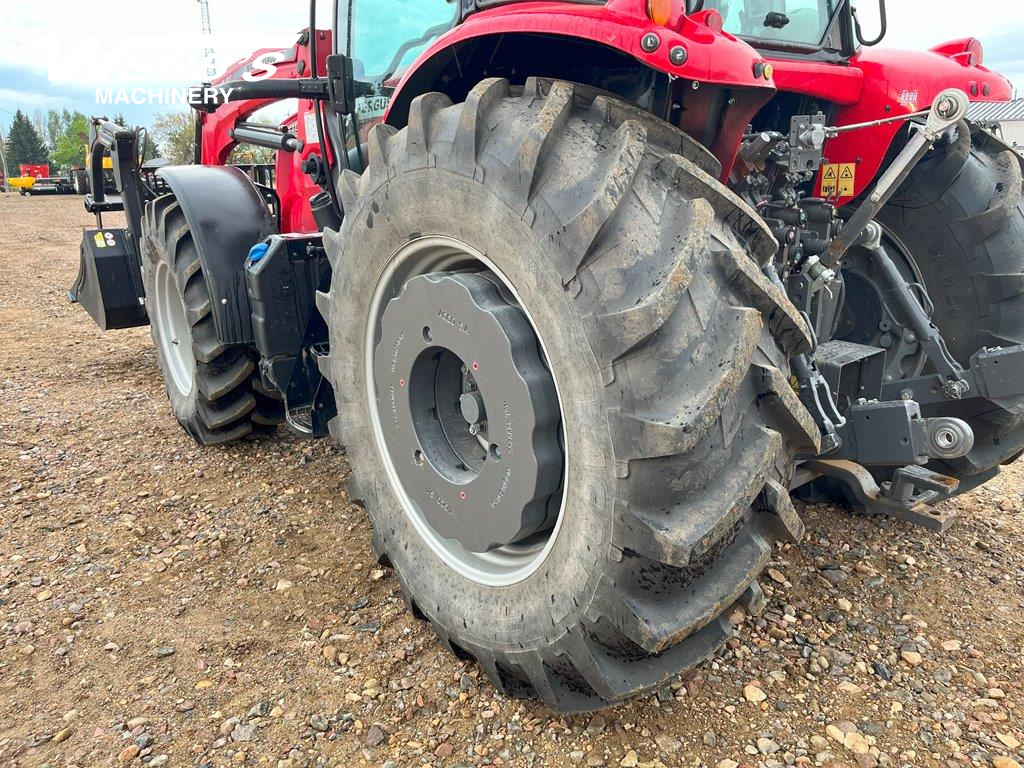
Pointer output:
x,y
3,159
204,12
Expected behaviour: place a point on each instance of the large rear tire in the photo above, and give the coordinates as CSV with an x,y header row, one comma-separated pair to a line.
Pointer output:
x,y
80,179
638,273
957,225
215,389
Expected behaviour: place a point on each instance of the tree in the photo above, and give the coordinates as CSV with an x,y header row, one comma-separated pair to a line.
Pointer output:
x,y
245,154
54,127
39,124
248,154
147,147
70,146
24,145
174,133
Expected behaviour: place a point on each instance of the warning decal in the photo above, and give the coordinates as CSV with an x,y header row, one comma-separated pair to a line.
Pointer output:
x,y
104,239
838,179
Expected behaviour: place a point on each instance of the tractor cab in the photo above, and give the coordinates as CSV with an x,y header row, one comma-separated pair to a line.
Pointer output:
x,y
382,52
799,27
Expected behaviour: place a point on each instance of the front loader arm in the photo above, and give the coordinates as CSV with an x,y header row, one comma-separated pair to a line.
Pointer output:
x,y
215,128
107,137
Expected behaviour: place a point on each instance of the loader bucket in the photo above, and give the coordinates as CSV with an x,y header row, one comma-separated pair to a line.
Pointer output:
x,y
105,285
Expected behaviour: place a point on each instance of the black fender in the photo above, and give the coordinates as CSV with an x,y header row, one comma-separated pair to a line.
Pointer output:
x,y
227,216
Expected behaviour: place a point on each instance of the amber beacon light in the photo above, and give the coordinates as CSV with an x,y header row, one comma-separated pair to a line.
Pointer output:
x,y
660,11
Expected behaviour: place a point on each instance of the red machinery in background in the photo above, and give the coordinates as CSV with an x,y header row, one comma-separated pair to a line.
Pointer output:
x,y
35,171
35,179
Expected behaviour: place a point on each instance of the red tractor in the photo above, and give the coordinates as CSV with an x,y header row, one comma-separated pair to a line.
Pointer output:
x,y
587,289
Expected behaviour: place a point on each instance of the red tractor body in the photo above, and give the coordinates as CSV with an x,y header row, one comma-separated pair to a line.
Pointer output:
x,y
881,83
216,142
871,84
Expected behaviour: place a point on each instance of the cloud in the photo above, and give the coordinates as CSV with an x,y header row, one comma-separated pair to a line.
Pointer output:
x,y
32,99
170,31
28,28
918,25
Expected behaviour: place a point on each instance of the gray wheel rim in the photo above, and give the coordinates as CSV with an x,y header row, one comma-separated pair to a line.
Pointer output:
x,y
506,565
173,330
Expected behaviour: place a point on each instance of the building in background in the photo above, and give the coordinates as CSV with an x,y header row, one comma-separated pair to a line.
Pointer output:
x,y
1004,118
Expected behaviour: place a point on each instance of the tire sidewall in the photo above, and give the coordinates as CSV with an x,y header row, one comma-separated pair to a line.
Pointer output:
x,y
183,406
436,202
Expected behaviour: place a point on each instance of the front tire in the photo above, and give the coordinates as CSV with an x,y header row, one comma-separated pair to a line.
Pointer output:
x,y
669,350
215,389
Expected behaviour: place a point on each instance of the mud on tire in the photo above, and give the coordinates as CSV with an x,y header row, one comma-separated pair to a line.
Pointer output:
x,y
223,399
670,351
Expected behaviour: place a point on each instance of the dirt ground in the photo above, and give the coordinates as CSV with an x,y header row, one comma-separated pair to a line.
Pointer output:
x,y
162,604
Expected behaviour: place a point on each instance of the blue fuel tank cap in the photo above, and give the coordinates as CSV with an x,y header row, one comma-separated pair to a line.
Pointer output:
x,y
258,251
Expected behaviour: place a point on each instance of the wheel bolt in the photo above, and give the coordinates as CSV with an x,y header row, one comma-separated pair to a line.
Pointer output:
x,y
472,407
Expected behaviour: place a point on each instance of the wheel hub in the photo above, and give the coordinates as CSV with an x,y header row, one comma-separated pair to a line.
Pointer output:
x,y
468,410
866,317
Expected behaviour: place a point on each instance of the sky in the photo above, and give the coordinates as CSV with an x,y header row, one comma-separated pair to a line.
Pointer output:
x,y
56,54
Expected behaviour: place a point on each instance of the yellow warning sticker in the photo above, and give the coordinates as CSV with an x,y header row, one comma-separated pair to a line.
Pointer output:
x,y
838,179
100,241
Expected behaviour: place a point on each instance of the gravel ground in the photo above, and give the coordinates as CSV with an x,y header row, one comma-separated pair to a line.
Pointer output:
x,y
166,605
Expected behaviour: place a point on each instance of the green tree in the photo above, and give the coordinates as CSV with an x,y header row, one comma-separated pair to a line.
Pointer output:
x,y
69,149
174,133
54,127
244,154
39,123
24,144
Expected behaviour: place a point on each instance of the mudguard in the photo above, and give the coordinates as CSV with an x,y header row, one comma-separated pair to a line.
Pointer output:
x,y
227,216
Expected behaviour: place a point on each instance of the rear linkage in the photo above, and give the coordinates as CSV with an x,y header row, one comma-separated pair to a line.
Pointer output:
x,y
864,420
